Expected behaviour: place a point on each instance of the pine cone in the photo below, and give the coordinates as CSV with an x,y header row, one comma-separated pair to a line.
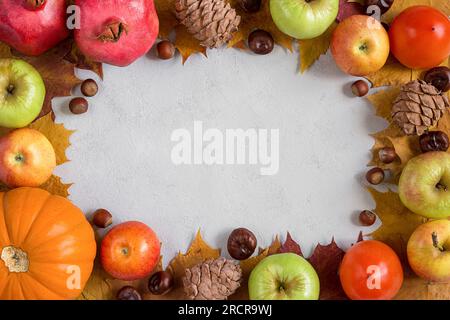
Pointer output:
x,y
210,21
418,107
212,280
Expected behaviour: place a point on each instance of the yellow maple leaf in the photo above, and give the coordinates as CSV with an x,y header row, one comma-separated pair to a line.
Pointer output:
x,y
392,74
383,101
97,287
258,20
187,44
398,223
55,186
311,50
58,136
198,252
56,133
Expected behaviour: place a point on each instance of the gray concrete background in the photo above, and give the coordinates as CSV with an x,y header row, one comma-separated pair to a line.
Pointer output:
x,y
121,149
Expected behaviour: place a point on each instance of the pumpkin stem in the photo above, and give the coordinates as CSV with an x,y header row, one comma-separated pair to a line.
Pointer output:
x,y
15,259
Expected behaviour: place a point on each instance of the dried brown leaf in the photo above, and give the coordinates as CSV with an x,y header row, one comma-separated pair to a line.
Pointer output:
x,y
82,62
326,260
58,73
290,245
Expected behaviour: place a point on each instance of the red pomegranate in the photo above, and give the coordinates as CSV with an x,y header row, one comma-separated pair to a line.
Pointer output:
x,y
116,31
33,26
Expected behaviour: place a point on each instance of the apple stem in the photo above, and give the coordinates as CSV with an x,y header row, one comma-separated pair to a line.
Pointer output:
x,y
436,244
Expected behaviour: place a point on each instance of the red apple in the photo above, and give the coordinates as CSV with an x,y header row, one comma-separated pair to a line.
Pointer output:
x,y
27,158
130,251
360,45
429,251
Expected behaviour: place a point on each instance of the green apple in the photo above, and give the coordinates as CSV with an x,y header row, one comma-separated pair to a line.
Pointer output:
x,y
284,276
22,93
424,185
429,251
304,19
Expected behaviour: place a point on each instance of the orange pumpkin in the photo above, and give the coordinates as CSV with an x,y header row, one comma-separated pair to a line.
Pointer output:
x,y
47,247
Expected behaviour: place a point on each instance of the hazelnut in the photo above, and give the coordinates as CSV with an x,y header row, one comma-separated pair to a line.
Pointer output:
x,y
165,50
89,88
375,176
241,244
367,218
434,141
78,105
387,155
360,88
102,218
128,293
161,283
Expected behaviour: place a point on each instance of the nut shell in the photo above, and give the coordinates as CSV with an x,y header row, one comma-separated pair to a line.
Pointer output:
x,y
439,77
241,244
161,283
434,141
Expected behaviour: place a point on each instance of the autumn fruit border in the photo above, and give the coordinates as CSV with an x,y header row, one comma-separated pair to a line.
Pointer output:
x,y
57,68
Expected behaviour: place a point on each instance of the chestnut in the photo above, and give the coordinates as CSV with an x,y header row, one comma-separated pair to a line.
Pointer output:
x,y
241,244
161,283
78,105
375,176
89,88
434,141
128,293
165,50
367,218
439,77
387,155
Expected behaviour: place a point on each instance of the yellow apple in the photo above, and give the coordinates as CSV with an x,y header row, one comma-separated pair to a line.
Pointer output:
x,y
360,45
27,158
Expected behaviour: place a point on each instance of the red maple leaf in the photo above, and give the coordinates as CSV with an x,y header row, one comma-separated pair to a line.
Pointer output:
x,y
291,246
